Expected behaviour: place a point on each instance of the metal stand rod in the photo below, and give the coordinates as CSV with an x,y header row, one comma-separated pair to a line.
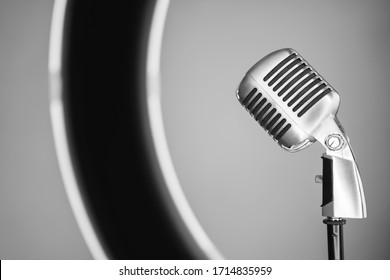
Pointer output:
x,y
335,238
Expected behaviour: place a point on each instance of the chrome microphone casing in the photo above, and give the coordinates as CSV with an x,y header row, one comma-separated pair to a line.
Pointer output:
x,y
296,106
278,92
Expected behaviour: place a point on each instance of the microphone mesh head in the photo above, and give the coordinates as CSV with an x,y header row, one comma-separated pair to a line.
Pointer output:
x,y
288,98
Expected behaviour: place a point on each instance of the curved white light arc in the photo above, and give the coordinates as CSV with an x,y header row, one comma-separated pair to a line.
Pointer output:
x,y
153,88
59,131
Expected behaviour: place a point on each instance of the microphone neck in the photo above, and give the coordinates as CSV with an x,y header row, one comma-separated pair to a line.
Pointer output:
x,y
332,136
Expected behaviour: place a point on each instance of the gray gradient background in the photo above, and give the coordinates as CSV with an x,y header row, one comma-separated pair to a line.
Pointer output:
x,y
36,221
254,199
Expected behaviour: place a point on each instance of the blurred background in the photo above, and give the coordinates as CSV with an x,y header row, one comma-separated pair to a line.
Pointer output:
x,y
36,221
229,168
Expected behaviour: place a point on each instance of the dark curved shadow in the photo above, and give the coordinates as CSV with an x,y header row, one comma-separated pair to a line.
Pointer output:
x,y
104,73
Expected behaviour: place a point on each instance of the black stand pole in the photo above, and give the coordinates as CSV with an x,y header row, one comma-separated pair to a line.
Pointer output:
x,y
335,238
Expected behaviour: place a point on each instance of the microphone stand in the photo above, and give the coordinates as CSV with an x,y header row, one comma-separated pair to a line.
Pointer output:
x,y
335,238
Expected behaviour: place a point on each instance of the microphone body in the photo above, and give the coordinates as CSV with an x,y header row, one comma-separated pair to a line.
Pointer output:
x,y
297,107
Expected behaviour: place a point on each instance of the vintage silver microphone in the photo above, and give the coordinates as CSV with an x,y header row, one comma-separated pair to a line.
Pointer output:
x,y
296,106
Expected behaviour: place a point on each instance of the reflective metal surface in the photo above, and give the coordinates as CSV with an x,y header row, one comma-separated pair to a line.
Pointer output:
x,y
296,106
292,87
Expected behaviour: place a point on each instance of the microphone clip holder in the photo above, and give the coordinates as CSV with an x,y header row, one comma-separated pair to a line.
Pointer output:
x,y
342,189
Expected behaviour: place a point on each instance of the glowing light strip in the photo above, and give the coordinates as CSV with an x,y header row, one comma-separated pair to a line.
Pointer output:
x,y
153,86
59,131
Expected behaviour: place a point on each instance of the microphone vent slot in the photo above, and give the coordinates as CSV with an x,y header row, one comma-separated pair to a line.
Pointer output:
x,y
249,96
280,65
265,114
297,83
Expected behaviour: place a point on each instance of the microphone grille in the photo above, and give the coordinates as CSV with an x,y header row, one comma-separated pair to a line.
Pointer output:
x,y
280,92
266,114
294,79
